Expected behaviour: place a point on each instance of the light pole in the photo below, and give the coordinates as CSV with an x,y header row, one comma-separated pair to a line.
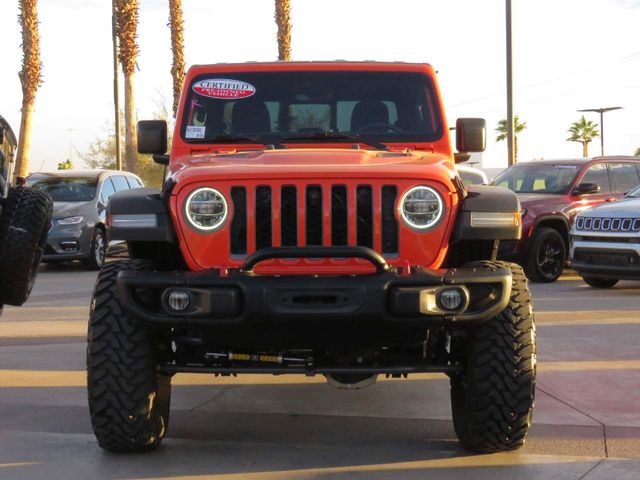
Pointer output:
x,y
510,126
116,86
601,111
70,132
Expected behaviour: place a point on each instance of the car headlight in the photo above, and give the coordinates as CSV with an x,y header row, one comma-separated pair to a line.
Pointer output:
x,y
71,220
421,208
206,209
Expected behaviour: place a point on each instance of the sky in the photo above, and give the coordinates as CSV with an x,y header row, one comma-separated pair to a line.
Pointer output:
x,y
568,55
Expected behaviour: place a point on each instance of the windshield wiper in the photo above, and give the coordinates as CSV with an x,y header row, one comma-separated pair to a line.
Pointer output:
x,y
226,138
329,135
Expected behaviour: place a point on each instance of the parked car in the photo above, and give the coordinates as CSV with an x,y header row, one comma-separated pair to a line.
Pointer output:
x,y
25,215
605,242
79,211
277,247
471,175
551,193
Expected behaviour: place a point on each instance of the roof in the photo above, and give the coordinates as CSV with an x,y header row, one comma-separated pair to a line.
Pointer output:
x,y
311,66
582,160
81,173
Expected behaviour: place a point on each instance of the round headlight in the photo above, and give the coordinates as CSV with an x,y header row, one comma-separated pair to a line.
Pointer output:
x,y
206,209
421,207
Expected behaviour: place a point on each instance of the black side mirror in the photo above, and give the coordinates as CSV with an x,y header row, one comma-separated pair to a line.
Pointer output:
x,y
586,188
152,137
471,134
461,157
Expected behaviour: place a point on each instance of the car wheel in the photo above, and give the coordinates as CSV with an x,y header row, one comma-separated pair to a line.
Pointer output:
x,y
129,401
546,257
24,224
98,251
597,282
492,398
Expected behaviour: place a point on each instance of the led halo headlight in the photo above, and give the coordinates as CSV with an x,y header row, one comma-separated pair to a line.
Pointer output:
x,y
421,208
206,209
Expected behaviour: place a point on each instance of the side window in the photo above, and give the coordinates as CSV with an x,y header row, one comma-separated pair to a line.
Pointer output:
x,y
106,191
134,182
598,174
624,177
120,183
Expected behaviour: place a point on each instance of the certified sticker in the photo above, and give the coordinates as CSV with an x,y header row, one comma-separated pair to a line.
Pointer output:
x,y
223,88
194,131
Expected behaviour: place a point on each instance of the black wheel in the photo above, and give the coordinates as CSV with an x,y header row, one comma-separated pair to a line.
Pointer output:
x,y
597,282
547,255
24,224
128,399
492,399
98,250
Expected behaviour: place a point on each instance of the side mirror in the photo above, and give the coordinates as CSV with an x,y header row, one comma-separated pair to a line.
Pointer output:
x,y
471,134
152,137
461,157
586,188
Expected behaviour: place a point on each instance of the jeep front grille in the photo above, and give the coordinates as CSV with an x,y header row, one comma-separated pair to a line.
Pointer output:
x,y
607,224
323,207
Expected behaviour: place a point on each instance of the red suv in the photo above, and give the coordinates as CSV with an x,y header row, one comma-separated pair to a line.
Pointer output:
x,y
551,193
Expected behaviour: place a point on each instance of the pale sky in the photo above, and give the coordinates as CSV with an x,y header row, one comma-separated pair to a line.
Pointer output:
x,y
568,55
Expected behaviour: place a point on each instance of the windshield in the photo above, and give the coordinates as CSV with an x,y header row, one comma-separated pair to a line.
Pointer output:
x,y
635,193
538,178
65,189
311,107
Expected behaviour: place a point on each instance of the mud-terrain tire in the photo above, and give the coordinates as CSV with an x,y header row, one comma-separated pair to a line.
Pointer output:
x,y
492,399
128,399
24,224
545,259
97,250
597,282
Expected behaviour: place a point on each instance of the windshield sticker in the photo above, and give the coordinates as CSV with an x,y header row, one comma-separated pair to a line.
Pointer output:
x,y
570,167
223,88
194,131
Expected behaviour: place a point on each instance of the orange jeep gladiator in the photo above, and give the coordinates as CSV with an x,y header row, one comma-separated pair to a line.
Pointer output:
x,y
312,222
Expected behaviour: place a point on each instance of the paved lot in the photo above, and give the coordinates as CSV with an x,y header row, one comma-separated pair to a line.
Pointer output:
x,y
587,419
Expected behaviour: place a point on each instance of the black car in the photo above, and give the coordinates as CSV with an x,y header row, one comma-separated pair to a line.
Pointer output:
x,y
79,211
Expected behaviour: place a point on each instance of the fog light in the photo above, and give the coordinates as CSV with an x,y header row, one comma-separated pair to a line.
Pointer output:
x,y
451,299
178,300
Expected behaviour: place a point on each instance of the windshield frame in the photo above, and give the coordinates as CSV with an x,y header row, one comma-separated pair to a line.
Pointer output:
x,y
432,97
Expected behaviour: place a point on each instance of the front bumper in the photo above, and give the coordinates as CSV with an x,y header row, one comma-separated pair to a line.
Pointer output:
x,y
246,299
65,243
609,258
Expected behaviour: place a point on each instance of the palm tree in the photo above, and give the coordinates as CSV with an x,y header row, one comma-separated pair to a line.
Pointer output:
x,y
283,20
517,128
177,47
126,31
30,78
583,131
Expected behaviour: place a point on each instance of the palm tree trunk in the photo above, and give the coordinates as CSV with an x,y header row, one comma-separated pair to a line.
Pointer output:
x,y
585,149
177,47
126,29
283,20
30,78
515,149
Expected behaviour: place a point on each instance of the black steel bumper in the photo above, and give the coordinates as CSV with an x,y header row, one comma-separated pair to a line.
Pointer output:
x,y
243,298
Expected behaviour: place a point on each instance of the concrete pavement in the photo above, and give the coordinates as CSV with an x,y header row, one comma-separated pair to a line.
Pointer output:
x,y
586,424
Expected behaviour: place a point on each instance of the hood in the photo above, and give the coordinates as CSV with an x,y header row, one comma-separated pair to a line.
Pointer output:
x,y
69,209
313,163
628,207
528,200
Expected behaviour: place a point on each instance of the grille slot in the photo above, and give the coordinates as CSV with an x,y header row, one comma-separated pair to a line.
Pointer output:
x,y
314,215
339,216
288,216
238,231
364,212
389,221
606,224
263,217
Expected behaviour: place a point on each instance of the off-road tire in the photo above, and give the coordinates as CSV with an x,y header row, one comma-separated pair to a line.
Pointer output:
x,y
91,262
531,266
24,224
492,399
128,399
597,282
